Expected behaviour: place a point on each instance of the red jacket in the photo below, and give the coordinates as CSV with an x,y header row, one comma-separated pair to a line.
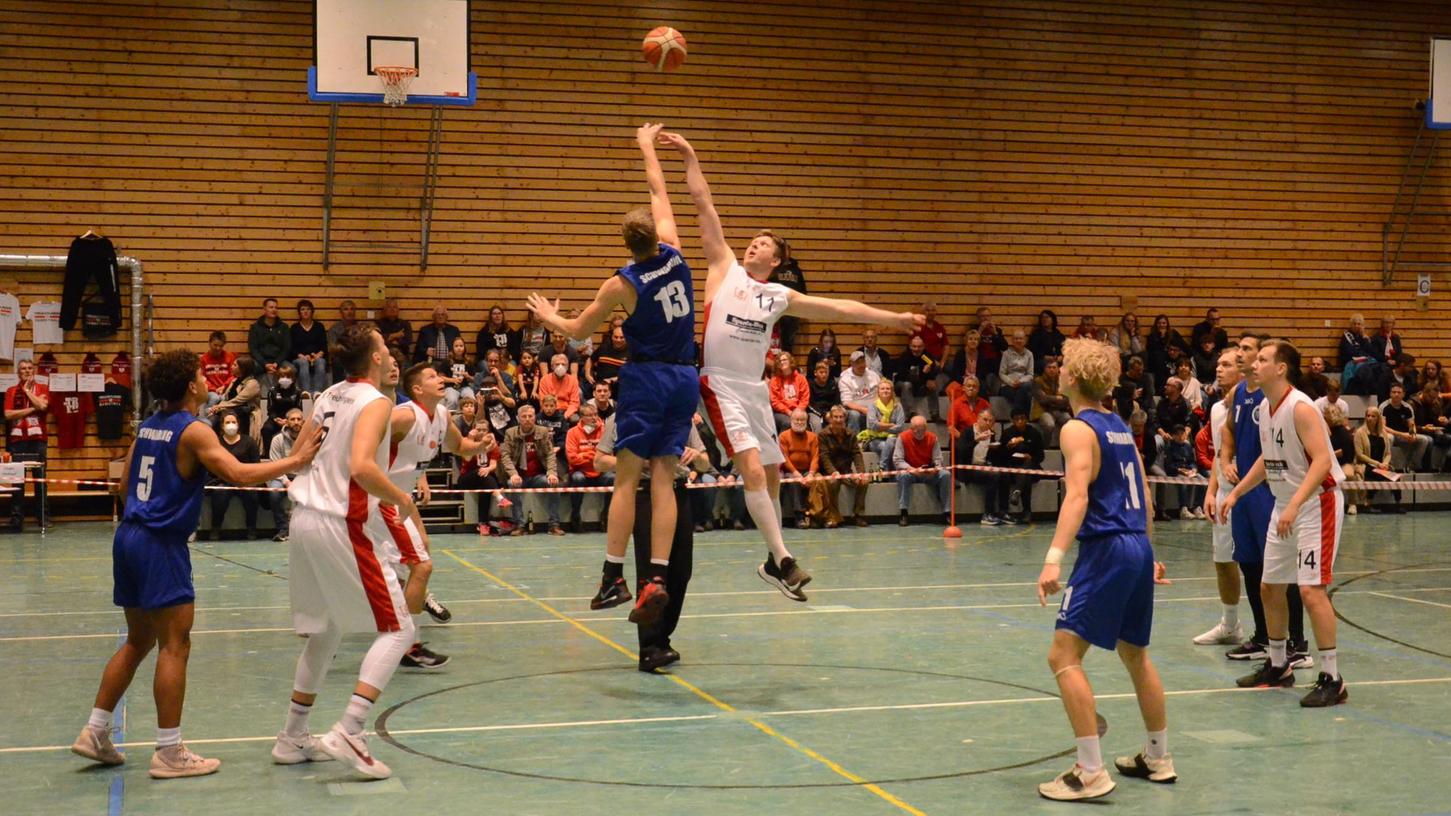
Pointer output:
x,y
789,393
1204,448
579,448
31,426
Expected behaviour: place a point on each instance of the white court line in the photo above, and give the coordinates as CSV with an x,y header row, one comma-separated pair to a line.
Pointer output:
x,y
464,729
1410,600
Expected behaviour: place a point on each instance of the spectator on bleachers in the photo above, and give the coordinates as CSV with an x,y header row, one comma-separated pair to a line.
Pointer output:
x,y
559,344
1179,461
885,420
1432,422
1332,397
551,416
1156,347
562,385
533,336
1135,389
269,341
1386,346
481,472
27,404
877,358
244,449
1193,392
1050,407
347,316
1015,373
1315,383
579,446
616,322
604,366
1150,448
468,414
397,331
496,406
458,372
936,342
1353,353
825,349
1020,445
1400,420
279,449
1374,449
1342,445
991,345
1087,328
1045,341
920,461
1174,355
603,401
526,379
802,450
788,389
496,334
916,372
965,360
1173,409
978,447
841,455
1431,373
967,405
307,341
1403,373
825,393
1204,360
217,367
583,349
1126,336
285,396
243,398
502,369
527,460
435,341
1210,327
857,387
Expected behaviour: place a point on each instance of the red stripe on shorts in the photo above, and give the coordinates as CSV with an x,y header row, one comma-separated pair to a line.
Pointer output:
x,y
1328,519
717,420
369,570
398,529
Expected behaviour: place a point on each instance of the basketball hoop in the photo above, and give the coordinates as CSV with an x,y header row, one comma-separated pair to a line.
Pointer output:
x,y
396,80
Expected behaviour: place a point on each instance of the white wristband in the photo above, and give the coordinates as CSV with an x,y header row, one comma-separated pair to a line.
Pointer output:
x,y
1054,556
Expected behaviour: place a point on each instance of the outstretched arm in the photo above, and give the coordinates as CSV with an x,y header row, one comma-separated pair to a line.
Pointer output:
x,y
665,227
202,443
613,292
712,237
850,311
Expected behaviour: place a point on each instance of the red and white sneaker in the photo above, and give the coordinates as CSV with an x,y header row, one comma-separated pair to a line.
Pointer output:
x,y
290,750
651,603
353,749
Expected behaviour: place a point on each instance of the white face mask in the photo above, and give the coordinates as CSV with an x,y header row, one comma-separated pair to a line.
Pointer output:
x,y
561,370
229,428
589,425
284,382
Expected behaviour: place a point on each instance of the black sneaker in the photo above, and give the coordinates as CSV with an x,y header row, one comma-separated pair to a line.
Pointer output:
x,y
1327,692
424,659
787,577
280,536
1249,650
653,657
991,520
436,610
1009,520
1267,676
612,593
902,519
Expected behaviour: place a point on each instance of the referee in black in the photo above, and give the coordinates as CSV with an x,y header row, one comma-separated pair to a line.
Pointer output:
x,y
655,649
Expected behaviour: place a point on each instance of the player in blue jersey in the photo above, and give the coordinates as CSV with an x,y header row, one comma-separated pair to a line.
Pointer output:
x,y
1250,521
166,469
1109,600
659,388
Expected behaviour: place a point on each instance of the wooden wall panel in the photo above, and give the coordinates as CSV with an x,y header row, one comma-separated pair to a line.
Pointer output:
x,y
1019,154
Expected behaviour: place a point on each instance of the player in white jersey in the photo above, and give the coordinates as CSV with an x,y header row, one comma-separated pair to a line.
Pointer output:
x,y
1305,478
340,576
741,308
1226,571
420,428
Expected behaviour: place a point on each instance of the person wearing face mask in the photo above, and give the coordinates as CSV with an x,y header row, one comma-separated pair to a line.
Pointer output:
x,y
286,396
562,385
244,449
280,449
579,446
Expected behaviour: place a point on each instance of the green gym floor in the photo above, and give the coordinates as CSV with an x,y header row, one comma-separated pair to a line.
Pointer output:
x,y
913,681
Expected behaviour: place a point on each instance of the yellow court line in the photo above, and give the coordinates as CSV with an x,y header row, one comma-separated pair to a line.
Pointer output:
x,y
694,689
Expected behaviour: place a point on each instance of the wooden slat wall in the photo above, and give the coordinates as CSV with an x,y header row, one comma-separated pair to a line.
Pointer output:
x,y
1082,155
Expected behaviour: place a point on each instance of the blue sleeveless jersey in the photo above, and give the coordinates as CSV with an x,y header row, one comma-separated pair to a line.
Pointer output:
x,y
1115,497
1246,427
157,497
662,327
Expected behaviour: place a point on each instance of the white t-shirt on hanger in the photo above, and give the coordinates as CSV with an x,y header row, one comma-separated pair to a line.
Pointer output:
x,y
44,317
9,319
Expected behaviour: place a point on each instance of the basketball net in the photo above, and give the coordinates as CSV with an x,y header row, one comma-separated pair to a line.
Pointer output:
x,y
396,80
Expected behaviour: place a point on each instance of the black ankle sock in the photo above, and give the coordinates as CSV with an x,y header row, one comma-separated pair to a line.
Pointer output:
x,y
657,571
613,570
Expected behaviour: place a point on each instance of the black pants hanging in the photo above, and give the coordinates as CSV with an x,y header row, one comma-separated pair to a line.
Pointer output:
x,y
90,260
677,578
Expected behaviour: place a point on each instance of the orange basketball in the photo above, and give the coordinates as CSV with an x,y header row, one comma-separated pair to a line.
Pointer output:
x,y
664,48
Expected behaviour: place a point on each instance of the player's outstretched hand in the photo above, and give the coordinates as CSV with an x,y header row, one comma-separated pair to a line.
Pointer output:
x,y
647,134
910,321
1047,583
676,141
547,312
305,448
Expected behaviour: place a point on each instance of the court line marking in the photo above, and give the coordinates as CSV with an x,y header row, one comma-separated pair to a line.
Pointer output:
x,y
1408,600
833,766
467,729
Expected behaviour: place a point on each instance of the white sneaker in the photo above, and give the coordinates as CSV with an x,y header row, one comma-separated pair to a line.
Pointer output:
x,y
176,761
1076,783
95,744
353,749
1154,770
1199,514
1350,510
1220,634
1185,514
290,750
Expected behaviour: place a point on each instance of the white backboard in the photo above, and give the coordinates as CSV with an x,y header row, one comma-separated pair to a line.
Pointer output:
x,y
352,37
1438,107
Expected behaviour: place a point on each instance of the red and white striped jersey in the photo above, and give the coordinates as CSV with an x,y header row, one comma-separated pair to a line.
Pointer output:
x,y
326,484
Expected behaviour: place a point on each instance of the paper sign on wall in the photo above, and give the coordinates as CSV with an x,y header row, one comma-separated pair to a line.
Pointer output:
x,y
91,383
62,383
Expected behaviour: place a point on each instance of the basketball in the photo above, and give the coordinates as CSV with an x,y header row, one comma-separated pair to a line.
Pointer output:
x,y
664,48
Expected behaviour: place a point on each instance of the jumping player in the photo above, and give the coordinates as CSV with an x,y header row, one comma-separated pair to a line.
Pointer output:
x,y
341,576
165,471
418,430
658,392
1226,572
1309,513
1109,600
741,309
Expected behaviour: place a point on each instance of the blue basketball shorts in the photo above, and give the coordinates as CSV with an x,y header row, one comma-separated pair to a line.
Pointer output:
x,y
1110,596
151,571
656,411
1249,522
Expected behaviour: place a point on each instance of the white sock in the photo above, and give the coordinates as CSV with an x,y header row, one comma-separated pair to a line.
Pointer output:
x,y
100,720
1090,758
296,719
1157,746
1231,615
1277,652
167,737
358,708
614,559
1329,663
764,513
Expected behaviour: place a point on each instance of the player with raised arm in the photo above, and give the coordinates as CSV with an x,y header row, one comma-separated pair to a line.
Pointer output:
x,y
164,474
1226,572
741,309
1309,514
658,389
1109,599
341,577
